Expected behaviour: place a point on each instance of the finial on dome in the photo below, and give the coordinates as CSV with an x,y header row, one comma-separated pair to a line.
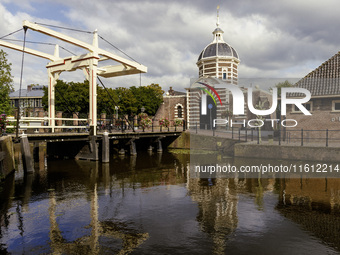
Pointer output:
x,y
218,16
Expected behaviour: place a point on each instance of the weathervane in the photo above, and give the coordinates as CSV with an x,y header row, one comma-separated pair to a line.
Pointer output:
x,y
218,16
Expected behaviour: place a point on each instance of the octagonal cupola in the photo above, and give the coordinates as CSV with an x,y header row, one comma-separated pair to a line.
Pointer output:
x,y
218,59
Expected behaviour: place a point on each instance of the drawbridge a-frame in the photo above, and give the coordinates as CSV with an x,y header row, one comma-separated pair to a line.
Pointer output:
x,y
87,62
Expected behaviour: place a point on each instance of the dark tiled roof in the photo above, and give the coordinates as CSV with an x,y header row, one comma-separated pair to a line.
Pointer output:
x,y
220,49
178,93
34,93
324,80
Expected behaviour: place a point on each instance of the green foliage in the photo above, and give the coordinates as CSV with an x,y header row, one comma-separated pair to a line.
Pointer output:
x,y
150,97
74,97
280,85
69,97
145,120
142,115
3,123
127,101
284,84
178,122
164,122
6,83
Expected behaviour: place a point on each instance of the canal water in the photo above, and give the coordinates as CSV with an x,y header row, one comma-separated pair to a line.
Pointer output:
x,y
149,205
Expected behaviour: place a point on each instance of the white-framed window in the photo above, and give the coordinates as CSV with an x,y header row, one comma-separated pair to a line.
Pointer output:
x,y
224,74
335,105
179,111
308,106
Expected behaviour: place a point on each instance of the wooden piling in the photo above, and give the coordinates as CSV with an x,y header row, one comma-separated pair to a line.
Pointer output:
x,y
105,148
26,154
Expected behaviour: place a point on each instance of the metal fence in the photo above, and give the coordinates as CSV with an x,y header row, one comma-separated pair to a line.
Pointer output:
x,y
308,136
58,125
299,137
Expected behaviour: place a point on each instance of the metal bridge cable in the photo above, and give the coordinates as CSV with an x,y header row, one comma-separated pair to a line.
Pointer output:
x,y
67,104
43,43
21,73
67,50
16,40
11,33
107,91
66,28
117,48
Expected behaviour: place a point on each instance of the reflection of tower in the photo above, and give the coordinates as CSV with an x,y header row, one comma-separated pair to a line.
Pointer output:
x,y
217,202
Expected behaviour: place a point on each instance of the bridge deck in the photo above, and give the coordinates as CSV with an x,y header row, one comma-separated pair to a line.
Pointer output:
x,y
64,136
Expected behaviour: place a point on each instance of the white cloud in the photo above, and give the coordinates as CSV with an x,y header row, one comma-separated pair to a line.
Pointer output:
x,y
273,39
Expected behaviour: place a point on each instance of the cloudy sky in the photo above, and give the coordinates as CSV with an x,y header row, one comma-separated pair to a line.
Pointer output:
x,y
274,39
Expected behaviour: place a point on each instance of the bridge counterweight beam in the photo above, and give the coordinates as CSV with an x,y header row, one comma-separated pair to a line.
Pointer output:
x,y
51,98
93,87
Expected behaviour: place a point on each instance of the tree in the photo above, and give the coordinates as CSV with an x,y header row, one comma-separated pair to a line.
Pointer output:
x,y
74,97
107,100
127,101
280,85
6,83
150,97
70,97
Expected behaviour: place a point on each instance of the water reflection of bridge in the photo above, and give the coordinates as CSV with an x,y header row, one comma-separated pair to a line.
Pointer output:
x,y
217,201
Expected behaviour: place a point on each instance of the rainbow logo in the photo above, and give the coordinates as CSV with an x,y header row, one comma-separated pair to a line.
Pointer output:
x,y
208,92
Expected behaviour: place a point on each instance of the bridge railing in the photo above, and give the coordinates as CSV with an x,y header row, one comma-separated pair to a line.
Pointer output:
x,y
155,126
43,123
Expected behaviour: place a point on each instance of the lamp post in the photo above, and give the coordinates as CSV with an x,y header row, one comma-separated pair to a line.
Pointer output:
x,y
210,106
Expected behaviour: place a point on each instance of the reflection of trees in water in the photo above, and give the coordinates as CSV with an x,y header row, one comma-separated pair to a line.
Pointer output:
x,y
314,204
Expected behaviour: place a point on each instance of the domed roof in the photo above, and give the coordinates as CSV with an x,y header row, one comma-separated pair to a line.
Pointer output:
x,y
218,49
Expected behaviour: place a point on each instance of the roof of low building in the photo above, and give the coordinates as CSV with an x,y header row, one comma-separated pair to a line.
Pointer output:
x,y
172,92
324,80
34,92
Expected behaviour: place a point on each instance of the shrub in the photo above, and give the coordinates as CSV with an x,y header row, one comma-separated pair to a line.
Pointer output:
x,y
3,123
145,122
164,122
178,122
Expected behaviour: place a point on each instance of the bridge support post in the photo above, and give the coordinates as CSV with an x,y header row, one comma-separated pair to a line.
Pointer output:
x,y
133,150
36,152
89,151
105,148
159,145
26,154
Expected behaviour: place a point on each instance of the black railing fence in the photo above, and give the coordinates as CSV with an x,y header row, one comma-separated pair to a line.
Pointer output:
x,y
135,125
308,136
300,137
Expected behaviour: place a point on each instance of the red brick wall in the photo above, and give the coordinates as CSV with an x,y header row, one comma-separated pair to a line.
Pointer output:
x,y
322,118
167,108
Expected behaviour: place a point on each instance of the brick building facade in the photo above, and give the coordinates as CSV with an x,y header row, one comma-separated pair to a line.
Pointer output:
x,y
174,106
324,85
